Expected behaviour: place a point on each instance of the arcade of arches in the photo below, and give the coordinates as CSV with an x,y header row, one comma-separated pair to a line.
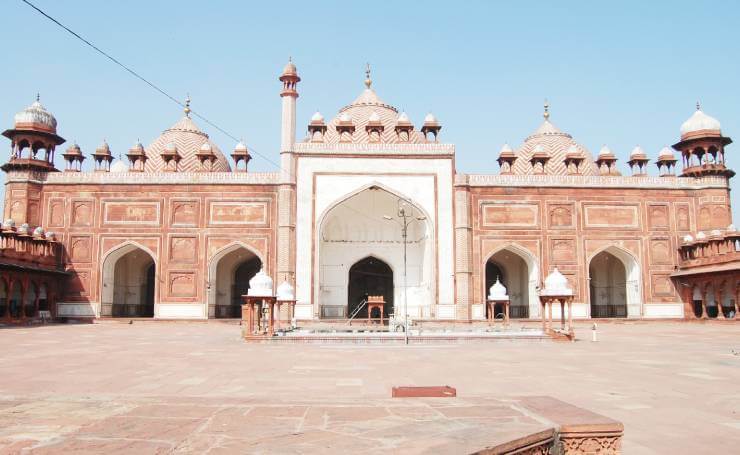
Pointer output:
x,y
23,296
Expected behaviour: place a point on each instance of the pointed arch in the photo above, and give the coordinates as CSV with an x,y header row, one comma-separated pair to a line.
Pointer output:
x,y
633,277
108,277
221,286
528,290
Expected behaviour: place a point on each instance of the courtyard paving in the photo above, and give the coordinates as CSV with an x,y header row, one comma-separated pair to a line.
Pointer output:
x,y
198,388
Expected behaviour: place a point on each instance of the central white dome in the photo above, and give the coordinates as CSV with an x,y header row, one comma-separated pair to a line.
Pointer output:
x,y
699,121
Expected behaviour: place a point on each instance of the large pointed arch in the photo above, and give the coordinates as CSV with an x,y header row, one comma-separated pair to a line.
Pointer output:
x,y
108,279
330,290
633,277
533,278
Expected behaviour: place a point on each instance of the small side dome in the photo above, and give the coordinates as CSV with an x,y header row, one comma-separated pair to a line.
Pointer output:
x,y
605,151
716,233
637,152
290,69
260,285
699,121
240,147
374,118
665,153
701,235
285,291
103,149
137,148
403,119
506,149
118,167
317,117
688,238
206,147
23,229
345,118
430,119
74,149
50,235
731,228
170,148
9,223
39,232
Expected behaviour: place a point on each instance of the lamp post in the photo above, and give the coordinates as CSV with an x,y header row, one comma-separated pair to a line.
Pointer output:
x,y
404,220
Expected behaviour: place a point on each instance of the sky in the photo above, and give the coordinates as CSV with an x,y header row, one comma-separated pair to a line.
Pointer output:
x,y
615,73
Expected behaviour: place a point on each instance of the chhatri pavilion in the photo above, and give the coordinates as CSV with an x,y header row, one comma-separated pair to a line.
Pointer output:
x,y
367,204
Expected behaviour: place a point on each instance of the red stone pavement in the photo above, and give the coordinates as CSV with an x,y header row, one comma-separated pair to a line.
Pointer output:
x,y
198,388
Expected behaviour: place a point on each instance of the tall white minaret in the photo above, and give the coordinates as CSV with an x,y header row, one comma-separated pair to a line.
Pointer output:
x,y
289,94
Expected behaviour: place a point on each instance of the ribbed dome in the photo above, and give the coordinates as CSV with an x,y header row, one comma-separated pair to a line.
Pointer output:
x,y
699,121
557,144
260,285
36,116
188,139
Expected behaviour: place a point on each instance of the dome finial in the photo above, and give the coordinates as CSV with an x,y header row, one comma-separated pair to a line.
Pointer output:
x,y
698,106
546,114
38,96
187,105
368,81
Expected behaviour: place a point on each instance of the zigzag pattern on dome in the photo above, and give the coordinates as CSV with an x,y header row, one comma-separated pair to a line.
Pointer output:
x,y
360,111
188,139
556,144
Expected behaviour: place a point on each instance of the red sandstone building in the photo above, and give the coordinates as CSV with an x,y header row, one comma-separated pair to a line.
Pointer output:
x,y
178,231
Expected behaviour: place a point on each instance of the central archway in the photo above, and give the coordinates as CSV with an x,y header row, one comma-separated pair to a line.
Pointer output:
x,y
128,283
366,224
369,276
229,273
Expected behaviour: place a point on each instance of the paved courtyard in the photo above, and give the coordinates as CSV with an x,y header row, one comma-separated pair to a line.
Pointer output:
x,y
197,388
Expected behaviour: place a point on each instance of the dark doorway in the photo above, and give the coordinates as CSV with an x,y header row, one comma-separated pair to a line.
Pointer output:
x,y
242,274
134,283
370,276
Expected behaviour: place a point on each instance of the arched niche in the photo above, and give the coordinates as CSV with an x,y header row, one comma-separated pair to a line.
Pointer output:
x,y
614,284
128,282
519,274
229,272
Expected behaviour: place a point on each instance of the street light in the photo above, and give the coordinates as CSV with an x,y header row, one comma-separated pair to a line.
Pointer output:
x,y
404,220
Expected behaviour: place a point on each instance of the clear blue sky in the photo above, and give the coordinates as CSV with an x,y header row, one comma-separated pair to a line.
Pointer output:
x,y
620,73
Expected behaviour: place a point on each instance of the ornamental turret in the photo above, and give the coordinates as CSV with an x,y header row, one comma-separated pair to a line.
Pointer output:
x,y
666,162
33,140
317,128
431,126
702,146
574,159
241,154
73,158
638,162
137,157
102,157
607,162
506,158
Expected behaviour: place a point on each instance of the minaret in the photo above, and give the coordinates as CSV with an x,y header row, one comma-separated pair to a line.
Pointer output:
x,y
290,80
702,146
286,190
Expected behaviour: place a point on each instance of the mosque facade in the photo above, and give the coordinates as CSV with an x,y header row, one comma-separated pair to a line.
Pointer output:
x,y
366,204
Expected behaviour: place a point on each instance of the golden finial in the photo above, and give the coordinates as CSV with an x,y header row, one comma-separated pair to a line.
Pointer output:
x,y
187,106
546,114
368,81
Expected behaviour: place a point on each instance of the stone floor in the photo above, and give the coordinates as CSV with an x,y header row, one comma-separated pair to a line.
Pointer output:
x,y
197,388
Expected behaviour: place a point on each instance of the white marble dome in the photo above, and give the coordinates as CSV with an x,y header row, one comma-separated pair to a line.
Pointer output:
x,y
260,285
701,235
506,148
119,166
556,284
430,118
9,223
497,291
317,117
699,121
285,291
665,153
605,151
688,238
36,116
39,232
23,229
731,228
637,152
